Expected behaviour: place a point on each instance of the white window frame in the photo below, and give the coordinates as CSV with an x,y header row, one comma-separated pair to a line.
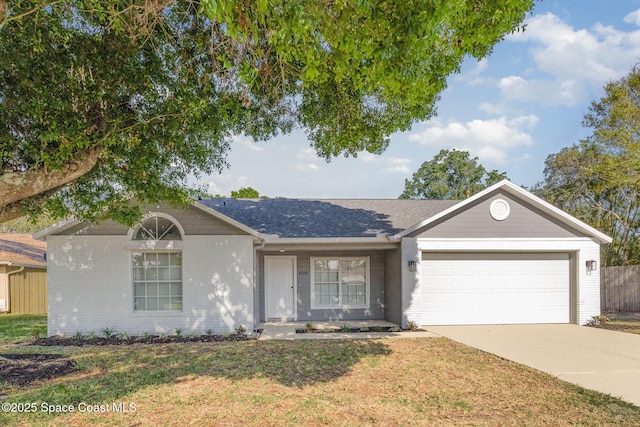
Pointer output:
x,y
156,247
341,306
158,281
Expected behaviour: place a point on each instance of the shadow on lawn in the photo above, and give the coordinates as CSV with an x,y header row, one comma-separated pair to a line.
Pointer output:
x,y
115,372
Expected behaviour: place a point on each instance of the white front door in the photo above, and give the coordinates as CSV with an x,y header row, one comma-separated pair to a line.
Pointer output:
x,y
280,287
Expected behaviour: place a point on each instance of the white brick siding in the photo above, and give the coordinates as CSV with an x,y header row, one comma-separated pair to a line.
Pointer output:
x,y
90,286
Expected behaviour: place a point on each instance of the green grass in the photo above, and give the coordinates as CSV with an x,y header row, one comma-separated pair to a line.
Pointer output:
x,y
20,327
419,381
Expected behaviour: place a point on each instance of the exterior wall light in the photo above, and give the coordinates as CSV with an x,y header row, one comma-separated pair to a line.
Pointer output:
x,y
592,265
413,266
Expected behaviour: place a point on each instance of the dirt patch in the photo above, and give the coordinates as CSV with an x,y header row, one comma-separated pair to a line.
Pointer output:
x,y
623,315
21,369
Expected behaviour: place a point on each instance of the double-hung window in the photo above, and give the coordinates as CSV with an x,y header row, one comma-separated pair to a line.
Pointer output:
x,y
157,274
340,282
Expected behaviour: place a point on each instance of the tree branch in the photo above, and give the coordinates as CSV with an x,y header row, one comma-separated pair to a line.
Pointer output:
x,y
18,186
17,209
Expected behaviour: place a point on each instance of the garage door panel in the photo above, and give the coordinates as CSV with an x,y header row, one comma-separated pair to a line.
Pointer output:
x,y
482,288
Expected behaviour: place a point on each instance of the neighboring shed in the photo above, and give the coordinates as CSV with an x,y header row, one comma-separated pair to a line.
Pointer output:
x,y
23,274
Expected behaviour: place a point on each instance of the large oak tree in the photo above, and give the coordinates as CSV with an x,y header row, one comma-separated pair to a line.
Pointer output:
x,y
598,179
450,175
107,101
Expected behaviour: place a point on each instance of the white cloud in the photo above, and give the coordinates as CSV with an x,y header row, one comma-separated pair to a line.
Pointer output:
x,y
633,18
545,92
490,140
307,167
246,143
473,77
569,63
308,160
225,183
398,165
391,164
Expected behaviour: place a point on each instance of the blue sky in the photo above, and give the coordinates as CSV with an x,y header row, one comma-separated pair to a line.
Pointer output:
x,y
511,110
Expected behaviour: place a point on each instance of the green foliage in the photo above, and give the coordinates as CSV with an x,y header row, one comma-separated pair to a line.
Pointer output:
x,y
598,179
451,175
246,193
26,224
158,89
20,327
108,332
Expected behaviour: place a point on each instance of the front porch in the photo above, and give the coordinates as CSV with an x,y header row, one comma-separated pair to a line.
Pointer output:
x,y
287,330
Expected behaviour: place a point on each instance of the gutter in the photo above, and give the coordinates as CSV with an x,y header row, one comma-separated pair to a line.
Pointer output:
x,y
324,240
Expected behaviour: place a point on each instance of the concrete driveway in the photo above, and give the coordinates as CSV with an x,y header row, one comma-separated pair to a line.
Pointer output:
x,y
596,359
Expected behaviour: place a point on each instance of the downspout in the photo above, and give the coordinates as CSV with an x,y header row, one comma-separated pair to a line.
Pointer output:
x,y
9,273
256,248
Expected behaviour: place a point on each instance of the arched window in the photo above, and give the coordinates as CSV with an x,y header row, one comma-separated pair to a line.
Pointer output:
x,y
157,228
157,273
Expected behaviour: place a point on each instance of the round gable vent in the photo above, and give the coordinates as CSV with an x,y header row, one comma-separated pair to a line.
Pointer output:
x,y
499,209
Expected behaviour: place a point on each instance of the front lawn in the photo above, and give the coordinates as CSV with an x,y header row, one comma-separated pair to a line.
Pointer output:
x,y
413,381
20,327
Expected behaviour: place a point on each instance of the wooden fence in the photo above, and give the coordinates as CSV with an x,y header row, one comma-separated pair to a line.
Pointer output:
x,y
28,291
620,288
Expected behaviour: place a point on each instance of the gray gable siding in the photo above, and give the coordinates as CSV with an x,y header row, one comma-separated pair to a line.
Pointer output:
x,y
475,221
194,221
376,283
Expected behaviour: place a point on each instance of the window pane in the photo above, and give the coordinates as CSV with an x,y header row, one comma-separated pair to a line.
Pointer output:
x,y
175,258
320,265
176,303
164,289
152,289
138,259
172,234
164,303
139,304
138,273
152,273
164,227
176,289
163,259
176,273
152,303
139,290
163,273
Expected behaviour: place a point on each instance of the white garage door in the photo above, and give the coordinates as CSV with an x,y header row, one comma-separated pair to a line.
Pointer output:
x,y
494,288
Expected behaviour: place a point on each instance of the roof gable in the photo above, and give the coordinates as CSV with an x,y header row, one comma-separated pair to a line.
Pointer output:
x,y
562,220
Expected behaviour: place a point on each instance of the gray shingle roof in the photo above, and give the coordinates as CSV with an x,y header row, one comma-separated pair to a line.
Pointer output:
x,y
329,217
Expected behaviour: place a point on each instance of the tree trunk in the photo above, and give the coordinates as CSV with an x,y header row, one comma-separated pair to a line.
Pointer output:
x,y
15,186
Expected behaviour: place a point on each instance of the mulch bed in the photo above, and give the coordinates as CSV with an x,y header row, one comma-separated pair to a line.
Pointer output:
x,y
21,369
146,339
24,368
